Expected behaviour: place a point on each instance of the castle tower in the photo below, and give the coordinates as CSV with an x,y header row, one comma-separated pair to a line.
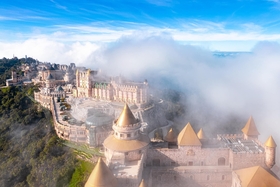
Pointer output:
x,y
270,150
127,143
201,134
250,130
77,78
187,137
50,81
171,136
101,176
89,82
67,76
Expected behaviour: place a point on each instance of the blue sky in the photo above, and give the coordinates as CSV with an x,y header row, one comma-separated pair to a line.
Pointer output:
x,y
234,25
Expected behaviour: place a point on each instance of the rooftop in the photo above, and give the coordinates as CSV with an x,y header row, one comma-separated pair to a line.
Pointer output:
x,y
241,145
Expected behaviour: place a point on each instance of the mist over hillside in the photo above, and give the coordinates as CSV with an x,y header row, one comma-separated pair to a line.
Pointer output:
x,y
216,89
219,90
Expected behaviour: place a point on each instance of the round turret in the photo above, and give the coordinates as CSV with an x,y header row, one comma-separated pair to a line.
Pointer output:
x,y
270,149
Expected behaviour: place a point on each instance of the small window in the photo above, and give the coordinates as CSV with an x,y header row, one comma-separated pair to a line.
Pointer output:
x,y
139,151
121,135
175,178
223,177
191,163
201,163
128,135
126,153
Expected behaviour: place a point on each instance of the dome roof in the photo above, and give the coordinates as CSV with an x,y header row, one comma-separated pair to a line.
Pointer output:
x,y
99,118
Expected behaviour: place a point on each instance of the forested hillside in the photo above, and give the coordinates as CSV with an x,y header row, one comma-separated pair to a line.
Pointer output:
x,y
30,152
6,65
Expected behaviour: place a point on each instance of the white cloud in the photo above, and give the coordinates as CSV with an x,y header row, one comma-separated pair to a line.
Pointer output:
x,y
245,85
48,50
242,86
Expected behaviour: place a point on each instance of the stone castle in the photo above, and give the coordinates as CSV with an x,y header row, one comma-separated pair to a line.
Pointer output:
x,y
83,86
184,159
132,157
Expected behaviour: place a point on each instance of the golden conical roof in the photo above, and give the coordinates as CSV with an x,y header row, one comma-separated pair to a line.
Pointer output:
x,y
257,176
126,118
250,128
188,137
201,134
143,184
101,176
171,136
270,142
115,144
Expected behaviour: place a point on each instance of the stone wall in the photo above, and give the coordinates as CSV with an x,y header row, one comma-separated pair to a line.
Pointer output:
x,y
243,160
188,155
194,176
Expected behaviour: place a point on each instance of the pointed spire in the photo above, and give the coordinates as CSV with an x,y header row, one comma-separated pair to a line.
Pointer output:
x,y
171,136
201,134
270,142
101,176
50,77
188,137
126,118
143,184
250,128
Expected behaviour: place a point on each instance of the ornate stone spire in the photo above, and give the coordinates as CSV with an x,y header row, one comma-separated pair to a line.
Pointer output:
x,y
101,176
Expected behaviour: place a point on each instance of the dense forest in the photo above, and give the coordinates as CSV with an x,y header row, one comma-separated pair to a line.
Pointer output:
x,y
8,65
31,154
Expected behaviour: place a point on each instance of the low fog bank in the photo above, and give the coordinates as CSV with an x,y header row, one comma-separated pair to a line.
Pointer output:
x,y
217,90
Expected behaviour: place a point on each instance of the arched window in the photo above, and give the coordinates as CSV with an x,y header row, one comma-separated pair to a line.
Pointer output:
x,y
221,161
